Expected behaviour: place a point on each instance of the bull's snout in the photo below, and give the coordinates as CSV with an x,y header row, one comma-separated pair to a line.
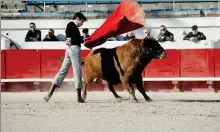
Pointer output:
x,y
163,55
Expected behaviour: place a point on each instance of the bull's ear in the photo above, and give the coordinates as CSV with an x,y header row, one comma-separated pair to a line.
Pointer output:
x,y
145,39
148,38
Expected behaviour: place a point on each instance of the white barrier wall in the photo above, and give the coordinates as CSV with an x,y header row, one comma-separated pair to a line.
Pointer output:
x,y
5,43
210,26
96,23
110,44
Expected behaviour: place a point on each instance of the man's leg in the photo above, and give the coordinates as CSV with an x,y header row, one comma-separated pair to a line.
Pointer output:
x,y
75,56
58,79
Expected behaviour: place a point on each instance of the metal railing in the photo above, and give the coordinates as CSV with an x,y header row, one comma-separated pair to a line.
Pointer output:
x,y
65,9
78,2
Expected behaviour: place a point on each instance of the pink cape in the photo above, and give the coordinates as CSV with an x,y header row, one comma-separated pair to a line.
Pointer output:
x,y
128,16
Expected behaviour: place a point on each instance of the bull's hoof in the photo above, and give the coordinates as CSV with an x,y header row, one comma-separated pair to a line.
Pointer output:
x,y
135,100
84,96
149,100
46,99
119,99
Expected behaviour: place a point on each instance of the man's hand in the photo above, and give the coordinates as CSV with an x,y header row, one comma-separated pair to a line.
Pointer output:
x,y
162,37
34,39
193,39
68,41
30,38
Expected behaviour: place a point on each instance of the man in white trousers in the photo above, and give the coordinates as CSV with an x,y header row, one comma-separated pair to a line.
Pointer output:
x,y
72,56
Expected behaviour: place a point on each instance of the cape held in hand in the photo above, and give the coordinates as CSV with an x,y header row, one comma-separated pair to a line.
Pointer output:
x,y
128,16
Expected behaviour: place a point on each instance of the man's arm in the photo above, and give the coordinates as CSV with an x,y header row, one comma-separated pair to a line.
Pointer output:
x,y
160,38
39,35
73,33
201,36
170,37
27,37
45,39
187,37
119,38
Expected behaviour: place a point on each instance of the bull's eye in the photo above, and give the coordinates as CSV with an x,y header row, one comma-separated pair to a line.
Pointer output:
x,y
150,49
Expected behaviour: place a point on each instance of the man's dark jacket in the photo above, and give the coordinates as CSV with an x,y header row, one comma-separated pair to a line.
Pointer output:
x,y
53,38
167,36
33,36
72,32
199,36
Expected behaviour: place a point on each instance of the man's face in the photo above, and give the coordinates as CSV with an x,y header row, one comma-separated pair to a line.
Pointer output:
x,y
131,34
85,34
79,22
147,32
162,30
32,27
195,31
50,33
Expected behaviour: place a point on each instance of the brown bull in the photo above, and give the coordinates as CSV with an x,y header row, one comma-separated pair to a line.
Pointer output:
x,y
123,64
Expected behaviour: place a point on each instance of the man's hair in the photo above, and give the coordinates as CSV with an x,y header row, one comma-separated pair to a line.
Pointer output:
x,y
85,30
79,15
32,23
163,26
194,27
51,30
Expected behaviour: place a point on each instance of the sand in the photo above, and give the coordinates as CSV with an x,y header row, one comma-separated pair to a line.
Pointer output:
x,y
169,112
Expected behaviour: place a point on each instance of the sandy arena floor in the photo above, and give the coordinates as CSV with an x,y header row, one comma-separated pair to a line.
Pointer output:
x,y
169,112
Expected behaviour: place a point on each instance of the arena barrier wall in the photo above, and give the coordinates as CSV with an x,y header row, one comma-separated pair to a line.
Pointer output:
x,y
2,64
182,70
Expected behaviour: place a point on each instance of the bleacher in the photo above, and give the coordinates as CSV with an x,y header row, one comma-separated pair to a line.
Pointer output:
x,y
12,6
75,2
107,6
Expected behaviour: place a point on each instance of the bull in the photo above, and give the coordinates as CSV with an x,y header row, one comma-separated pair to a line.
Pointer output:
x,y
122,65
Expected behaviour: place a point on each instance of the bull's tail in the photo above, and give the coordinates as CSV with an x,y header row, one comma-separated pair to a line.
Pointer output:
x,y
96,51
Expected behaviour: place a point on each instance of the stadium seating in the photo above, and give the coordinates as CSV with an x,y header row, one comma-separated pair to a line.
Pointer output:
x,y
104,6
107,6
111,1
